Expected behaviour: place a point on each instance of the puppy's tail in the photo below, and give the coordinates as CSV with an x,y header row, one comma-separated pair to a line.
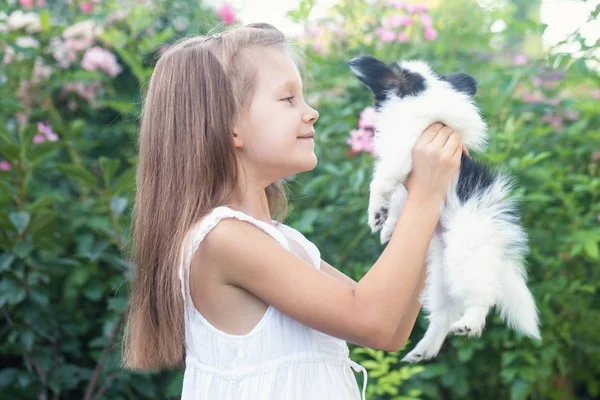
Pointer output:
x,y
518,308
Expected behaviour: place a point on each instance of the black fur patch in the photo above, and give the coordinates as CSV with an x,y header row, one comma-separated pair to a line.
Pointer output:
x,y
383,79
407,83
464,83
473,178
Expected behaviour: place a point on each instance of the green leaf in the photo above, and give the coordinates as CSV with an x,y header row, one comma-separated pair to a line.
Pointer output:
x,y
465,353
591,249
11,292
7,376
135,64
519,390
20,220
41,150
45,21
117,304
125,182
109,167
10,151
81,174
6,259
118,204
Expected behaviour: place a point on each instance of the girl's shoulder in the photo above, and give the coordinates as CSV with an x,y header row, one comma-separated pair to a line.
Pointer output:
x,y
220,213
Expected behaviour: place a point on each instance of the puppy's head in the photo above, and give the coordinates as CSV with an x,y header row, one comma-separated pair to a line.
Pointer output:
x,y
408,78
411,95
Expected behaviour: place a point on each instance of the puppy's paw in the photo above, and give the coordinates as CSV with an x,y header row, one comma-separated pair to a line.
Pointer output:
x,y
377,218
413,357
466,328
419,354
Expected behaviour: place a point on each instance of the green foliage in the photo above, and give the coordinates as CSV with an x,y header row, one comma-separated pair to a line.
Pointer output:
x,y
65,205
544,130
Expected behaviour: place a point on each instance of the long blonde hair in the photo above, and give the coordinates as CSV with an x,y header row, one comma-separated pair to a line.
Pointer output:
x,y
200,86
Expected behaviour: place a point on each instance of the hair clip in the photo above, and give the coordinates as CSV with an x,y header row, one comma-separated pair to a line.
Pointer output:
x,y
217,36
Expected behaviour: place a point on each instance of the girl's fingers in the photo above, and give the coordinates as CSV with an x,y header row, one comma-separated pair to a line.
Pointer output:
x,y
430,132
442,137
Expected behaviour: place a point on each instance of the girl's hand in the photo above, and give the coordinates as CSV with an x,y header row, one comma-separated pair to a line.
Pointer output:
x,y
436,161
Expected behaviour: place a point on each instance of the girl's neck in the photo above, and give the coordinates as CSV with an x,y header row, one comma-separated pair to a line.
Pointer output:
x,y
253,203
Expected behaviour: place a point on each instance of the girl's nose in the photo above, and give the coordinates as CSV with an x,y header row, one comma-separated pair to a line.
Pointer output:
x,y
311,116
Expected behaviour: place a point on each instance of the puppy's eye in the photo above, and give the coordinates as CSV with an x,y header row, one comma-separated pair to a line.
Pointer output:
x,y
288,99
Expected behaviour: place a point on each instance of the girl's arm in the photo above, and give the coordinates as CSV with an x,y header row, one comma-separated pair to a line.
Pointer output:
x,y
407,322
367,315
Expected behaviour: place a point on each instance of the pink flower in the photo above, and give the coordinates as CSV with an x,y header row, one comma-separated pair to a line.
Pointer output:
x,y
596,94
596,156
77,37
399,4
554,120
417,8
367,119
313,31
537,81
430,33
226,13
598,217
386,35
426,20
40,3
361,140
403,37
528,98
98,58
519,59
86,7
39,138
26,3
4,166
398,20
45,133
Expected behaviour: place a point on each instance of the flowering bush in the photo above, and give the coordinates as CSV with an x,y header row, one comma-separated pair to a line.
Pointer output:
x,y
71,78
542,111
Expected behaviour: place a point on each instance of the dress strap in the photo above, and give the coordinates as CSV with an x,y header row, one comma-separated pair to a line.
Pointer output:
x,y
200,230
359,368
309,246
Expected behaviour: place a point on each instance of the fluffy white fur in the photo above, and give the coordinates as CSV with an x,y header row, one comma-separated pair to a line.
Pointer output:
x,y
476,257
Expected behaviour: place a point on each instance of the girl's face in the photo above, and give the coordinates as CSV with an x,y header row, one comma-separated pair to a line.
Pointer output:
x,y
274,137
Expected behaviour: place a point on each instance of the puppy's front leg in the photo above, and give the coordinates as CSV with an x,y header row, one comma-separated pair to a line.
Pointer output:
x,y
386,177
398,199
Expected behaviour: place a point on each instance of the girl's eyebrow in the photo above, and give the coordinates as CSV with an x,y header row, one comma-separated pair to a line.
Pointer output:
x,y
290,83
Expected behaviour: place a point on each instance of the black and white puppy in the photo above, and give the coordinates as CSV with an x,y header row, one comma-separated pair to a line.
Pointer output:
x,y
476,256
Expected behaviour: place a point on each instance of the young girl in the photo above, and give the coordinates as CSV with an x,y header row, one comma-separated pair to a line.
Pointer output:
x,y
243,301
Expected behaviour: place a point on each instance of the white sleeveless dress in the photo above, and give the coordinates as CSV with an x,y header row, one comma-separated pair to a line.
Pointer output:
x,y
278,359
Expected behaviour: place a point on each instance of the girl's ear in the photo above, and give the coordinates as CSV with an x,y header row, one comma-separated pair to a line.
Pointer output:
x,y
237,141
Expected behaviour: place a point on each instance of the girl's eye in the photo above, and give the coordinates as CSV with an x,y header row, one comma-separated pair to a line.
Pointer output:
x,y
288,99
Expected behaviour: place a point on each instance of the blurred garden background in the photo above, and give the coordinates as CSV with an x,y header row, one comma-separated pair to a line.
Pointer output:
x,y
72,76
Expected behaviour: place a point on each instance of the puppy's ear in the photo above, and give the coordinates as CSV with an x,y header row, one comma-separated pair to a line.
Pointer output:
x,y
372,72
385,79
462,82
